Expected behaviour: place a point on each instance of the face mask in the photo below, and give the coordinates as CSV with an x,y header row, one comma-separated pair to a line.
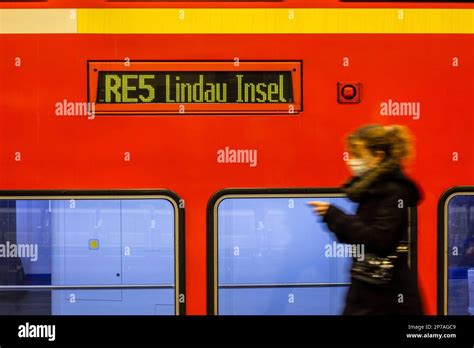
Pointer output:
x,y
357,166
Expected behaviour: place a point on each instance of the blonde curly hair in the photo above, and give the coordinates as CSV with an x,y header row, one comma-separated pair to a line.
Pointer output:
x,y
396,143
394,140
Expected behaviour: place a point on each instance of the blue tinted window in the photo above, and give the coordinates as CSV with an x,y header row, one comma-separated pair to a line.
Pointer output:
x,y
276,257
112,244
460,256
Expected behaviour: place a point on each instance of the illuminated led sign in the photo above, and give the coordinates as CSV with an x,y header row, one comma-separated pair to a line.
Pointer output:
x,y
195,87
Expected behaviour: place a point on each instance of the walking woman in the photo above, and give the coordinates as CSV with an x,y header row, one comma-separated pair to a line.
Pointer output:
x,y
382,283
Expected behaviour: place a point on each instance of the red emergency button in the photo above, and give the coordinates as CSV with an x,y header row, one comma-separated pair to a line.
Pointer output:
x,y
348,92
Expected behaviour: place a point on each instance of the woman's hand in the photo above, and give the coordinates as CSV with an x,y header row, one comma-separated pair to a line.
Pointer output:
x,y
320,208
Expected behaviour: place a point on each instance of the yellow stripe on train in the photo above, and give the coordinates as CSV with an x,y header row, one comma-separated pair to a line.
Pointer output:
x,y
275,21
238,21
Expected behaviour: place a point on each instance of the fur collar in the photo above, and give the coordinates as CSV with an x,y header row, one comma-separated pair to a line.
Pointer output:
x,y
356,187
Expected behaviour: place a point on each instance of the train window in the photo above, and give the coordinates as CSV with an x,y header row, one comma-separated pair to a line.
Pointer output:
x,y
91,253
456,252
269,254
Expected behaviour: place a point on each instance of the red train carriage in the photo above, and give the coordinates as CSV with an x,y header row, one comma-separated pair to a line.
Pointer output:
x,y
102,95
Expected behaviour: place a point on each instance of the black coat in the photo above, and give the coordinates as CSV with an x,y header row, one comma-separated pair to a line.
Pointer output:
x,y
380,223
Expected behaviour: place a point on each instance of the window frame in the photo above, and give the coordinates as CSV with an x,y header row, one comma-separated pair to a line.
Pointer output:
x,y
442,303
179,239
212,235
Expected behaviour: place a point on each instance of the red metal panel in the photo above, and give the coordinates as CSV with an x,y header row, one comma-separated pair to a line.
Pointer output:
x,y
179,153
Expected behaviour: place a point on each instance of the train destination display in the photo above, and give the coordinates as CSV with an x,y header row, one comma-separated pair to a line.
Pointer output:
x,y
195,87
